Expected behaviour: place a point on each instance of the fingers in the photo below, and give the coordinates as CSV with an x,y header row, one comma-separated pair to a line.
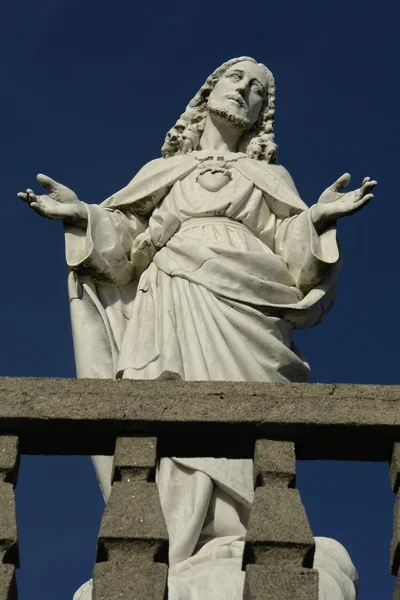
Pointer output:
x,y
366,187
342,182
371,184
47,182
29,196
23,196
367,180
368,197
358,204
363,201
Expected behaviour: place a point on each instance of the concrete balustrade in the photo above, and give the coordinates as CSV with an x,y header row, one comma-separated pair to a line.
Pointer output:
x,y
133,418
9,462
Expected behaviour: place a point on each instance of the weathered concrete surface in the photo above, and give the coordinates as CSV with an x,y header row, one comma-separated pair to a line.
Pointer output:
x,y
280,583
395,468
135,458
133,512
278,534
8,525
133,518
139,580
9,557
9,458
85,416
278,531
395,545
8,585
396,593
133,534
274,463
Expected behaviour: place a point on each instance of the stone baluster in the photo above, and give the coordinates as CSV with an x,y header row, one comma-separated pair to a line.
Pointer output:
x,y
395,545
9,462
133,539
279,548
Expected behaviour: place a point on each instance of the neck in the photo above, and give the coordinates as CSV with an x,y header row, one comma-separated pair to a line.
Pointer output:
x,y
219,135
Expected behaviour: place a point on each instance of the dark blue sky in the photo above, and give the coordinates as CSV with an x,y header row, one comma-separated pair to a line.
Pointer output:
x,y
88,91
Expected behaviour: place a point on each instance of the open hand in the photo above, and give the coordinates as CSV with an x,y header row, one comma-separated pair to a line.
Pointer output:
x,y
334,202
61,203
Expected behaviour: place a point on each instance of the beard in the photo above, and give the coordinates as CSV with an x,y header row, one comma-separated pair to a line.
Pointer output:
x,y
223,113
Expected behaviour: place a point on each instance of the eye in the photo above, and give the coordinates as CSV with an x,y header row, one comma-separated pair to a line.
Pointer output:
x,y
234,77
256,88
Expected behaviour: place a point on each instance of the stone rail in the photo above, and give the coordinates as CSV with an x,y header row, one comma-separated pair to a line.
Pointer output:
x,y
141,420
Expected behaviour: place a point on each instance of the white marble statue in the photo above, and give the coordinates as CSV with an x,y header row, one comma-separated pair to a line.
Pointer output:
x,y
199,269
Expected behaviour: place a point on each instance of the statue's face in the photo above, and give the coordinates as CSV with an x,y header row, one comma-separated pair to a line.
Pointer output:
x,y
173,134
240,93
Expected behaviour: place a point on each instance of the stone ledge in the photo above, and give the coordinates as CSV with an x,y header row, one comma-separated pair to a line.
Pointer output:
x,y
274,463
135,458
278,531
280,583
133,512
8,585
335,421
114,581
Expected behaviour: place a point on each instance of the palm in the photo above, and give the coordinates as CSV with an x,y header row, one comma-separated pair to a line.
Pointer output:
x,y
337,203
51,206
61,203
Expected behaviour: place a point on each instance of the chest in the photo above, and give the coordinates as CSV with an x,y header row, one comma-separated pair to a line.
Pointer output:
x,y
211,190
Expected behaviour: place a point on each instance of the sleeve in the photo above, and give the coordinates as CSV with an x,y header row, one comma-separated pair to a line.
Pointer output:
x,y
103,251
309,256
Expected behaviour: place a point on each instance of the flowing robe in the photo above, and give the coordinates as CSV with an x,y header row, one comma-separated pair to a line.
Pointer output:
x,y
250,248
174,281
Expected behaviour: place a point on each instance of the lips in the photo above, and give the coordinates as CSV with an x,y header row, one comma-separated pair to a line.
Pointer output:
x,y
238,99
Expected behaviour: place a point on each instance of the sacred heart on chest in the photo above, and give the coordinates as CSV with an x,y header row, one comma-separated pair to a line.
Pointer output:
x,y
214,175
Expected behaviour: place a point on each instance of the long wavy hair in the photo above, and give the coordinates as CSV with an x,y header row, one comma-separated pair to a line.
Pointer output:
x,y
258,142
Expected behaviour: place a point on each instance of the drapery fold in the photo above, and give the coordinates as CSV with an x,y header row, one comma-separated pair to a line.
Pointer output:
x,y
172,281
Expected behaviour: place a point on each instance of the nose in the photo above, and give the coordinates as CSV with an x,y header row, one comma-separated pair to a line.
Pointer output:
x,y
241,88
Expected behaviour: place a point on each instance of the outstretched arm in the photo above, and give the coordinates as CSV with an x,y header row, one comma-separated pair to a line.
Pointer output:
x,y
98,240
335,203
61,203
307,241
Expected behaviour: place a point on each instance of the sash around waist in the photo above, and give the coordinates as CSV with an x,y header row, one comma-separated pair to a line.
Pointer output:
x,y
201,221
